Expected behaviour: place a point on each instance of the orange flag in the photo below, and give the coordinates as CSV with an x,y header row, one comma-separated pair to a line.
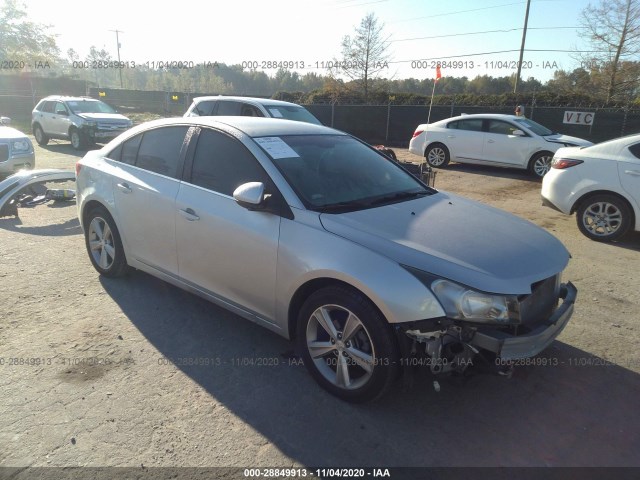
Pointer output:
x,y
438,72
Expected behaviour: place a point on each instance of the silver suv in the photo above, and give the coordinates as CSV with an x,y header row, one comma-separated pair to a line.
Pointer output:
x,y
249,107
82,120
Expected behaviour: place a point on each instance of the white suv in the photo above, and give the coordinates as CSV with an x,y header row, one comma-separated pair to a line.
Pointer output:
x,y
82,120
490,139
249,107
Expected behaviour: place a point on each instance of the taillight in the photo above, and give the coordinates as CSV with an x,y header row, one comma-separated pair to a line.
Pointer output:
x,y
416,133
78,166
562,163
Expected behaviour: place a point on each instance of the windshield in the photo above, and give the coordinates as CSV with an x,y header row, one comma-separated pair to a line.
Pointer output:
x,y
534,127
292,112
89,106
339,173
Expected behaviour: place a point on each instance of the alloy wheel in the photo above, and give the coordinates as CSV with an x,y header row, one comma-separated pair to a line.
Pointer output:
x,y
340,347
602,219
101,243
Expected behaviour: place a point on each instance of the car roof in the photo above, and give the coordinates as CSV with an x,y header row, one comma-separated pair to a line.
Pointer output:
x,y
252,126
497,116
64,98
261,101
611,146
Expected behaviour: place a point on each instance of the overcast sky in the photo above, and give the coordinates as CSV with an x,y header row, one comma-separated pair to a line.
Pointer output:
x,y
311,32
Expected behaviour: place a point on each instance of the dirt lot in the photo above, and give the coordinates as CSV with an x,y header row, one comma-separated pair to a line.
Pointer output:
x,y
85,380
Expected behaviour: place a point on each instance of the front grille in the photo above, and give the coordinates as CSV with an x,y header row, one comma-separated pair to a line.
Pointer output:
x,y
4,152
540,304
112,126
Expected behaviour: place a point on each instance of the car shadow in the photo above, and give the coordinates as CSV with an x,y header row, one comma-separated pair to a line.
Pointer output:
x,y
70,227
490,171
62,147
573,410
630,241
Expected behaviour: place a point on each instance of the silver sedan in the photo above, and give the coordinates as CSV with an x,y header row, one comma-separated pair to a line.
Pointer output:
x,y
317,236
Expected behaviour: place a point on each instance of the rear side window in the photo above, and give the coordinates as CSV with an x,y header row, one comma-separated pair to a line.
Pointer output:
x,y
130,150
229,108
635,150
472,124
203,108
160,148
47,107
221,163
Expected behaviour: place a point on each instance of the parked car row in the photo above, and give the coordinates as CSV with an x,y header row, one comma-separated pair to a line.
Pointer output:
x,y
599,183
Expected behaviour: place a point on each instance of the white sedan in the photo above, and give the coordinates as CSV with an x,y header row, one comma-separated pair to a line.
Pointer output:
x,y
601,184
490,139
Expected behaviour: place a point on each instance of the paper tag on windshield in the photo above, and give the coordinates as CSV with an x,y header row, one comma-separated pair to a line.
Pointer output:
x,y
275,112
276,147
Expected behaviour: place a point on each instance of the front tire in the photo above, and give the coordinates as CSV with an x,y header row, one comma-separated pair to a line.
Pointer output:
x,y
540,164
40,136
437,155
603,218
104,245
77,139
347,345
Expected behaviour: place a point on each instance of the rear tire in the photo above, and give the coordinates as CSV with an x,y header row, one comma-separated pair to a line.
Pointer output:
x,y
437,155
603,217
40,136
104,245
347,345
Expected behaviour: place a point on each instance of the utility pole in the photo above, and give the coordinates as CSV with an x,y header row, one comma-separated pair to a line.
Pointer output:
x,y
118,43
524,37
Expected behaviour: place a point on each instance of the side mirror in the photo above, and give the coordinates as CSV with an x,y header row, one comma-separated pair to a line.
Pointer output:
x,y
5,120
250,195
518,133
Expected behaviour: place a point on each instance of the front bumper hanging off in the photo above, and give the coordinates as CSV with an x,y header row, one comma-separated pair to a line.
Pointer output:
x,y
510,347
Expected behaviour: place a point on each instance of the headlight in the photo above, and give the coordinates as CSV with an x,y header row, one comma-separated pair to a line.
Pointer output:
x,y
21,145
462,303
91,123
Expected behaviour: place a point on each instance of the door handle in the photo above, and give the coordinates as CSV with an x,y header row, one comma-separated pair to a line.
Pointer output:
x,y
451,136
490,141
124,187
189,214
635,173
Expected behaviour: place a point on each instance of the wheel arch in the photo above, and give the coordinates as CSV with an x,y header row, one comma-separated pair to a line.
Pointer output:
x,y
431,144
539,152
90,205
592,193
308,288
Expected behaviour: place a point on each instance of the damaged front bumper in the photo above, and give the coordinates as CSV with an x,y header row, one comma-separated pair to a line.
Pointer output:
x,y
512,347
449,346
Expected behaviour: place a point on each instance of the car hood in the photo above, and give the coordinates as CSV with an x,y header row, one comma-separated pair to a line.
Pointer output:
x,y
103,116
562,139
458,239
9,132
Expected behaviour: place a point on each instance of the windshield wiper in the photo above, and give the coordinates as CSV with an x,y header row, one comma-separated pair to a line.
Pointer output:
x,y
399,196
342,206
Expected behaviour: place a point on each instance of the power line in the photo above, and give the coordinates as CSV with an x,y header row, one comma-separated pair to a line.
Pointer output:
x,y
508,30
464,11
446,57
457,12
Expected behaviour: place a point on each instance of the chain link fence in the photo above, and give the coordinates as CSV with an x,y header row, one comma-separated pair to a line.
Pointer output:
x,y
377,124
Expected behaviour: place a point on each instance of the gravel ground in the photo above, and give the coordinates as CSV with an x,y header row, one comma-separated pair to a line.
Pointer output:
x,y
85,380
